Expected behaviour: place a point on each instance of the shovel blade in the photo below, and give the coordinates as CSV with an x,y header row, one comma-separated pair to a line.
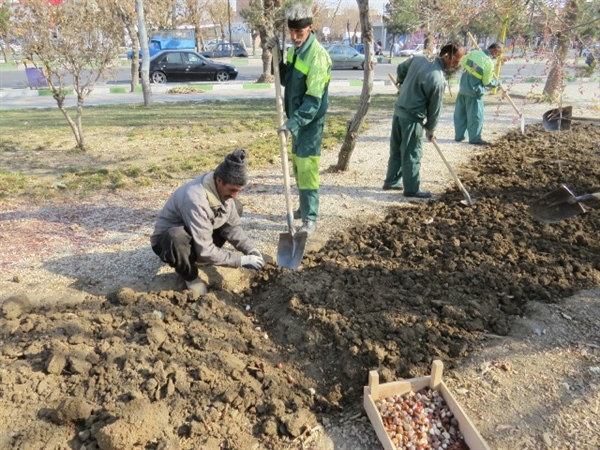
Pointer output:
x,y
558,119
555,206
290,250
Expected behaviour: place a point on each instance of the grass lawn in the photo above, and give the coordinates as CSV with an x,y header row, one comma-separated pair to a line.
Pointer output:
x,y
129,146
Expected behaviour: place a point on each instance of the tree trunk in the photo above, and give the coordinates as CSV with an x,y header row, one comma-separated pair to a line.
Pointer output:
x,y
428,47
255,35
78,123
60,101
345,153
198,38
555,77
135,57
267,58
139,8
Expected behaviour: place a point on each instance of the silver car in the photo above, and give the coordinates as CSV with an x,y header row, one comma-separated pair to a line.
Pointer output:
x,y
345,57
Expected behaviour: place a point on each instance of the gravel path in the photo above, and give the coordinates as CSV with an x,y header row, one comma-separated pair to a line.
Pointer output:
x,y
68,251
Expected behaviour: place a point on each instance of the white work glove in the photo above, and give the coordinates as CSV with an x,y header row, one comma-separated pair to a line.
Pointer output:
x,y
429,135
284,129
272,43
255,252
253,262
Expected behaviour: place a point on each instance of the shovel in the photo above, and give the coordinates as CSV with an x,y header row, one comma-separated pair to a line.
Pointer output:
x,y
468,201
560,204
291,246
504,92
559,119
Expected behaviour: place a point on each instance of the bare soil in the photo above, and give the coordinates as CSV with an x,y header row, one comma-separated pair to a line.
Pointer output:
x,y
510,305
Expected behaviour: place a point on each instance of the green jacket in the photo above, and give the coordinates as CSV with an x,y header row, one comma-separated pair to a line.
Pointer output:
x,y
422,84
305,75
479,72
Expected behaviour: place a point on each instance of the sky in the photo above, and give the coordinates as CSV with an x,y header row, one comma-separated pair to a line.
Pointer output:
x,y
373,4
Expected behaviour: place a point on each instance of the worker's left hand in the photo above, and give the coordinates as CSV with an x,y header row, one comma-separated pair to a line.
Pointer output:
x,y
252,262
429,135
284,129
272,43
255,252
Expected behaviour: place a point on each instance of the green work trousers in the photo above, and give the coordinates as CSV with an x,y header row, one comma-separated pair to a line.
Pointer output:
x,y
306,157
468,117
406,149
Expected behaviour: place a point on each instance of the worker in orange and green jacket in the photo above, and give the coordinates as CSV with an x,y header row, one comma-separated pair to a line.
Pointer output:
x,y
478,74
305,73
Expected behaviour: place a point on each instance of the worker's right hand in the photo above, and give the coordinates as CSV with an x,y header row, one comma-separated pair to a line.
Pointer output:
x,y
429,135
253,262
272,42
284,129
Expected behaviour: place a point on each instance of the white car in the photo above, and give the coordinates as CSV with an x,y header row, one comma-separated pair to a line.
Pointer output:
x,y
418,50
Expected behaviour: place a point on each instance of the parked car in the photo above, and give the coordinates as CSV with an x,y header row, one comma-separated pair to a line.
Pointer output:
x,y
418,50
225,50
345,57
210,45
186,65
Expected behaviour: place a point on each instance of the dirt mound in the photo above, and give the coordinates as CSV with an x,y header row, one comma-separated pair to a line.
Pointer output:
x,y
257,370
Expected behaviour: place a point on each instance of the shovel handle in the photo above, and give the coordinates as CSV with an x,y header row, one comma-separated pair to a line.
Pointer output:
x,y
584,119
451,170
510,100
586,197
283,143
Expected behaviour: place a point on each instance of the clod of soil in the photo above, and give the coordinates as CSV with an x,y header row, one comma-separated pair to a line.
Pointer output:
x,y
174,370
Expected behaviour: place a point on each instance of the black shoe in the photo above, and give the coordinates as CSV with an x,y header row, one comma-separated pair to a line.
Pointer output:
x,y
297,214
482,142
418,194
391,188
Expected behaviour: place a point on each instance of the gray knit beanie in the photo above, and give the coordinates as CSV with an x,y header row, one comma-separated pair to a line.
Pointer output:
x,y
233,169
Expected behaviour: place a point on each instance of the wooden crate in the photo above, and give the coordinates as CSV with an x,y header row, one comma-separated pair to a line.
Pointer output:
x,y
374,391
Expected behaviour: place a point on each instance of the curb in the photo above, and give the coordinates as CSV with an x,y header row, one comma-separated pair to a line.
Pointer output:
x,y
164,89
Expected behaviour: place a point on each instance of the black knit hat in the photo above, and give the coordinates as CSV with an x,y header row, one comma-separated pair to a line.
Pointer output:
x,y
233,169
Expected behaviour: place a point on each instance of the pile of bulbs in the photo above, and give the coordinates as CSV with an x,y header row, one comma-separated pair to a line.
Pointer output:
x,y
420,421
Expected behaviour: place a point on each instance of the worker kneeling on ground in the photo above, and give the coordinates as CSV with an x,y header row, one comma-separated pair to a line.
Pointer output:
x,y
200,217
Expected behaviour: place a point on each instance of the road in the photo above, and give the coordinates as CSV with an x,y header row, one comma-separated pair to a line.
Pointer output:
x,y
15,78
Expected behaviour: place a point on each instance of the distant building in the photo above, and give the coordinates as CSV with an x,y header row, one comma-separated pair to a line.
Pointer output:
x,y
239,6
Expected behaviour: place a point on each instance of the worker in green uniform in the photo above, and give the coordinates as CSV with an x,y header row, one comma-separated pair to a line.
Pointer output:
x,y
478,74
305,73
421,83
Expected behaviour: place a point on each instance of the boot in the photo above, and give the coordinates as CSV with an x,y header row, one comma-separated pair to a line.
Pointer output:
x,y
308,227
197,286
